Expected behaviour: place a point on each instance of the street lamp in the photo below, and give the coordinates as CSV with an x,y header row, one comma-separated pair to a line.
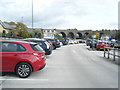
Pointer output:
x,y
32,16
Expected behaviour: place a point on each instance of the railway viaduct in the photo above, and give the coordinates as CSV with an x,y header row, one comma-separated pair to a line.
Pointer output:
x,y
80,34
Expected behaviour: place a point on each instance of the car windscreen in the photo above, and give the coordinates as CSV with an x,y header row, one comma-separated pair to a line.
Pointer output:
x,y
36,47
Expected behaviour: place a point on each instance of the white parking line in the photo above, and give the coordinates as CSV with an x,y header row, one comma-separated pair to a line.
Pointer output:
x,y
28,79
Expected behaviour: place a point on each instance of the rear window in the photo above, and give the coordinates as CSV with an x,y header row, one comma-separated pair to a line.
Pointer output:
x,y
41,43
36,47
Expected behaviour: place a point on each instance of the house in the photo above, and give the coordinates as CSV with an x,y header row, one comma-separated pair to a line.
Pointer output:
x,y
5,28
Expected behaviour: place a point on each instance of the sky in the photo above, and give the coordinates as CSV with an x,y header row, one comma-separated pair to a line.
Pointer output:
x,y
62,14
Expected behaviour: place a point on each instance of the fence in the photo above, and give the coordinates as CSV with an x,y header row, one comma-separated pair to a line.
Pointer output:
x,y
111,51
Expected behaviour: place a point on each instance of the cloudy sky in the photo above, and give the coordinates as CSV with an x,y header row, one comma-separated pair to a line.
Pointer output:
x,y
62,14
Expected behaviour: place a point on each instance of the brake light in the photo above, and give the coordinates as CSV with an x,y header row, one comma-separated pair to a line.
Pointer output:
x,y
57,43
37,54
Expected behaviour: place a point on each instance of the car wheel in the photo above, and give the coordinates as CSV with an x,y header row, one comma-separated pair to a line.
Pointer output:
x,y
54,47
23,70
90,46
97,49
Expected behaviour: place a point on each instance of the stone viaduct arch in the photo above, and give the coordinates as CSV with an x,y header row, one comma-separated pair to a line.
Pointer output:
x,y
82,34
73,34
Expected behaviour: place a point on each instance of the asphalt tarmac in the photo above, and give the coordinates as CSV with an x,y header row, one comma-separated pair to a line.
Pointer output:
x,y
72,66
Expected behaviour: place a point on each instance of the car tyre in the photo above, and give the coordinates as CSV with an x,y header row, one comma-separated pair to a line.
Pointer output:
x,y
90,46
3,73
23,70
54,47
97,49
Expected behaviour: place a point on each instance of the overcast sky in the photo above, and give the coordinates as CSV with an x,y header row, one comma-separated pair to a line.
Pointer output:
x,y
62,14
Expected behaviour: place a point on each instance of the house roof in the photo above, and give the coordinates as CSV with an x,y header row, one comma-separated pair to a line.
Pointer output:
x,y
7,26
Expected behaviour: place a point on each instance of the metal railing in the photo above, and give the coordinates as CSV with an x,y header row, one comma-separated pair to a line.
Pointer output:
x,y
111,51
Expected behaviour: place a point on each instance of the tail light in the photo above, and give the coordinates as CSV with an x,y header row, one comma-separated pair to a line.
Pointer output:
x,y
39,55
50,44
57,42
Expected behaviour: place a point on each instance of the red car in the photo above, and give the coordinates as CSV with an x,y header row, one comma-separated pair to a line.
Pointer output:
x,y
21,57
101,45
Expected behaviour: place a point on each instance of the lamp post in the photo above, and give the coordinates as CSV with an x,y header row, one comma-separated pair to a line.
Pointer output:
x,y
32,16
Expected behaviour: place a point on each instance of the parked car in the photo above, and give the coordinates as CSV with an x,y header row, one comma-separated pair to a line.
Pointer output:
x,y
71,42
64,41
81,41
44,44
55,42
112,42
93,43
88,41
21,57
101,45
117,44
76,41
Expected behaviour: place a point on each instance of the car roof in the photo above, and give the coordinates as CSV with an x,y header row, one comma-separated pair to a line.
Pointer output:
x,y
17,41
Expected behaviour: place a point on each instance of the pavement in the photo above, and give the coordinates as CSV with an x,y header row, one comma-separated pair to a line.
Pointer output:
x,y
72,66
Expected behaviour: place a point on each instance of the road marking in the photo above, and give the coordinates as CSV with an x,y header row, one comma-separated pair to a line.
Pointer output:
x,y
28,79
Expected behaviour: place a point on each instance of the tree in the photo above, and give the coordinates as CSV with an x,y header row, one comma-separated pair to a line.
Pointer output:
x,y
37,33
57,36
20,30
117,35
97,35
90,35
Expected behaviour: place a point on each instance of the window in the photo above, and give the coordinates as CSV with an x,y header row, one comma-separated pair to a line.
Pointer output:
x,y
21,48
36,47
11,47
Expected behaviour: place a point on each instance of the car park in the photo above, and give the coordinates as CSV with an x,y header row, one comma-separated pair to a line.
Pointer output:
x,y
21,57
44,44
